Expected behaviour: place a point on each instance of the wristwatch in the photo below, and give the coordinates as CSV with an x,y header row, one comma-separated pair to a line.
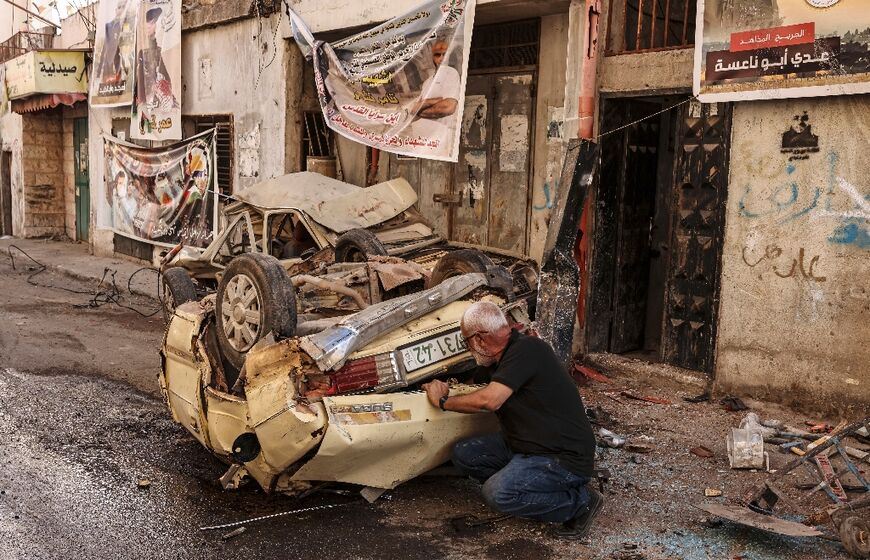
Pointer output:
x,y
441,402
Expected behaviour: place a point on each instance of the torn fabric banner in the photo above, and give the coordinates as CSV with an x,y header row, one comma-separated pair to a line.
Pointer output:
x,y
162,195
112,73
156,112
398,87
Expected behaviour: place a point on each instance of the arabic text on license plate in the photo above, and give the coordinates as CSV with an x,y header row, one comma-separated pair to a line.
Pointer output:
x,y
433,350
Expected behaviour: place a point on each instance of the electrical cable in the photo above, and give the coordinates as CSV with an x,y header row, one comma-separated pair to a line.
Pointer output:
x,y
100,296
281,514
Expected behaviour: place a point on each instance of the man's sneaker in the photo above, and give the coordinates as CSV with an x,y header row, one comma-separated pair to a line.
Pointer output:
x,y
578,526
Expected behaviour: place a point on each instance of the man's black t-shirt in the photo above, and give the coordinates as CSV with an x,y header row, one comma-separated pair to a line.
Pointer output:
x,y
545,414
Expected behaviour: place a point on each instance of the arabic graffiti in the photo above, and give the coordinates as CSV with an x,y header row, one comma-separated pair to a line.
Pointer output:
x,y
798,264
838,200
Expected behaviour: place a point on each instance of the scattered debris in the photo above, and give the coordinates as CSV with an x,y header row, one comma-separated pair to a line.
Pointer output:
x,y
591,374
610,439
465,523
772,423
746,449
732,404
638,447
701,451
599,416
371,494
143,483
819,428
654,400
712,492
703,397
233,534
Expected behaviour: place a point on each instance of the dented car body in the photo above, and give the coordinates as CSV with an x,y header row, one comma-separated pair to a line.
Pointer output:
x,y
340,404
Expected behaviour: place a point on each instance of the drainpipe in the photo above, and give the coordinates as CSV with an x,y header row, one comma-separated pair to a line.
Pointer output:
x,y
586,126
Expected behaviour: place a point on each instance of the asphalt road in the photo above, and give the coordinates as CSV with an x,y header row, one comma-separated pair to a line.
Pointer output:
x,y
82,421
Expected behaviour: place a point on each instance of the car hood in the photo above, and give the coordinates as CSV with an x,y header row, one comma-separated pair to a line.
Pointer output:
x,y
333,204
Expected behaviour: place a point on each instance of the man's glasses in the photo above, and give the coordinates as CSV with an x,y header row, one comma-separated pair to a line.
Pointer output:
x,y
469,338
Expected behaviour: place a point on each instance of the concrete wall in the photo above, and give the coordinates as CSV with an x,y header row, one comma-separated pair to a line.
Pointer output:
x,y
221,74
12,20
646,73
11,134
549,134
795,299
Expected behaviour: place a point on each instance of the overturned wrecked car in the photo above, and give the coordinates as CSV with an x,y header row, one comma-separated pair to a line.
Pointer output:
x,y
293,217
340,404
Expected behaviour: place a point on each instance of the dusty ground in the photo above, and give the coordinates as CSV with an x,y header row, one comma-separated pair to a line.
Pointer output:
x,y
81,421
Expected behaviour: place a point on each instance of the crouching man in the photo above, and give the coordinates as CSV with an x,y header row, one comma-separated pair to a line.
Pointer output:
x,y
540,465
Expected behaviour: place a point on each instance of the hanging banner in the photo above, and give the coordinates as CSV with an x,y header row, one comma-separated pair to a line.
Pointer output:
x,y
157,98
762,49
112,74
399,87
162,195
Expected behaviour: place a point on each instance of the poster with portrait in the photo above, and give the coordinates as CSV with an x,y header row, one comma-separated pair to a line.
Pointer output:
x,y
156,112
400,86
764,49
162,195
112,74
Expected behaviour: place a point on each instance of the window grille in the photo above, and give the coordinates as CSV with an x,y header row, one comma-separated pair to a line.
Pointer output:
x,y
194,124
641,25
505,45
316,137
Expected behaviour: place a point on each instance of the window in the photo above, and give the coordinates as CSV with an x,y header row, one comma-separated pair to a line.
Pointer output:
x,y
505,45
191,125
641,25
316,138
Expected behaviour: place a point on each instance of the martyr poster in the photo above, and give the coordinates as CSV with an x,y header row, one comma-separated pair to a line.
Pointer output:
x,y
162,195
400,86
112,75
156,113
764,49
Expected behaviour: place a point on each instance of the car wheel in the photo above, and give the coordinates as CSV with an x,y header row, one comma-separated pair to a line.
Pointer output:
x,y
855,533
178,288
254,297
456,263
356,245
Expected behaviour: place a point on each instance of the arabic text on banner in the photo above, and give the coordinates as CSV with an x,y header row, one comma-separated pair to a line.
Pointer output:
x,y
162,195
761,49
112,73
400,86
156,112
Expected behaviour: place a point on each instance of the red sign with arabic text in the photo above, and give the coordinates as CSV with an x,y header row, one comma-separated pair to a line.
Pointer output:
x,y
773,37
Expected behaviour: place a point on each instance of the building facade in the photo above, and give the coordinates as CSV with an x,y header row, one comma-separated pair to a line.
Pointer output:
x,y
706,244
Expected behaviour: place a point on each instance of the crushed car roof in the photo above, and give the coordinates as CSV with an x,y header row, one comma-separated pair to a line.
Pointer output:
x,y
334,204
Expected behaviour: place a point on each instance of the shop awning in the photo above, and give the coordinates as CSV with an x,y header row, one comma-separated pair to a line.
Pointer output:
x,y
46,101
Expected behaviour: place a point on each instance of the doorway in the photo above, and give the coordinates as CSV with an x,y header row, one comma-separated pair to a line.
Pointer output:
x,y
658,230
82,179
5,193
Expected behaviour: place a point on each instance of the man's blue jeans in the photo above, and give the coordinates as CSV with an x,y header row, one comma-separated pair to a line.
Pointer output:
x,y
531,486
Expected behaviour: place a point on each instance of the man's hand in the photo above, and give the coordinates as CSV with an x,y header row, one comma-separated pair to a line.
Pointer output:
x,y
436,389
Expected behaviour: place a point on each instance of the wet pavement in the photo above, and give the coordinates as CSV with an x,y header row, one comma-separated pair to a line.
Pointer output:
x,y
82,421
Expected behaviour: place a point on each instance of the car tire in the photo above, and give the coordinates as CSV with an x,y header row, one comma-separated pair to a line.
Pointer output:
x,y
254,297
456,263
357,245
178,288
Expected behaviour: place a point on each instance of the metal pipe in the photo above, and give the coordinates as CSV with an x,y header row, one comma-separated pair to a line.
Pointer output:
x,y
37,16
301,279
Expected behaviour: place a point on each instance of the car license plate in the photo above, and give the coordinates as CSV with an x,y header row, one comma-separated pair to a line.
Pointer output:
x,y
432,350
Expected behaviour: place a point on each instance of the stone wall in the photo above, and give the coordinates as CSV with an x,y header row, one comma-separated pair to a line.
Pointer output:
x,y
42,167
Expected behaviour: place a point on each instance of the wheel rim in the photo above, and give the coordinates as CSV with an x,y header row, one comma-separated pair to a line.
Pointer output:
x,y
241,311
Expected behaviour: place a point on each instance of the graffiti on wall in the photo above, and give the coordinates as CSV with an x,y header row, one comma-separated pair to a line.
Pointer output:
x,y
772,257
839,200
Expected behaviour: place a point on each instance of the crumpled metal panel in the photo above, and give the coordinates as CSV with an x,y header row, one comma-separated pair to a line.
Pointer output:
x,y
393,275
331,347
559,280
331,203
385,440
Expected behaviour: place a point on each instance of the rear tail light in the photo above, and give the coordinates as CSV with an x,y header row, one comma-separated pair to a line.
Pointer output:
x,y
379,370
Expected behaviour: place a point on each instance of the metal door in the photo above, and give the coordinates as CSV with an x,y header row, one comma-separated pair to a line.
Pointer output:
x,y
700,189
635,211
491,179
6,193
82,180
